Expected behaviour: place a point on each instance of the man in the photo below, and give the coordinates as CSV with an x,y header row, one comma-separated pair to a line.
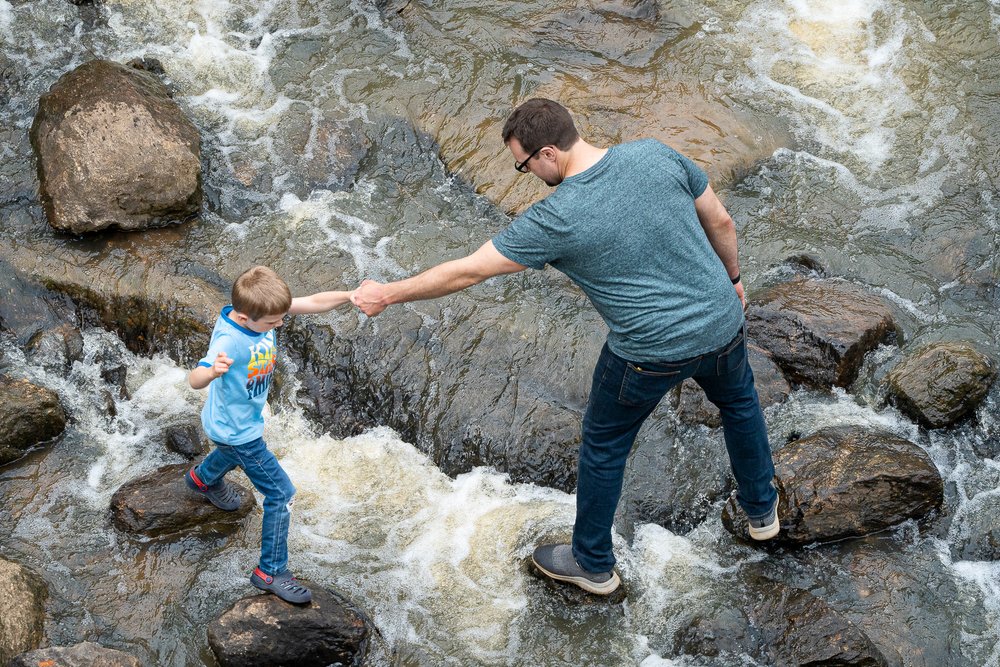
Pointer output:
x,y
638,228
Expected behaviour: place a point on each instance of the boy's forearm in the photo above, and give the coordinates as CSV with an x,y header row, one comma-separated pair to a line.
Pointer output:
x,y
319,302
201,377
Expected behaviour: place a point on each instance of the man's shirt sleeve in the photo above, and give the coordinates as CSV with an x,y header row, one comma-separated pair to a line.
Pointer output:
x,y
697,179
527,240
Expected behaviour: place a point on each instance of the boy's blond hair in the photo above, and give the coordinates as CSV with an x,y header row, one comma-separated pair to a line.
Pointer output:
x,y
260,292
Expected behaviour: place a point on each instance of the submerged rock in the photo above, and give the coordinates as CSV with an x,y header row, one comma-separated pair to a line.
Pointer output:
x,y
264,631
115,151
29,415
187,440
22,609
29,310
779,625
692,406
976,529
56,349
941,383
846,481
159,504
818,331
85,654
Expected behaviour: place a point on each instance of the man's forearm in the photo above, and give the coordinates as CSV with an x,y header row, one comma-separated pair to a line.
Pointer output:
x,y
441,280
723,240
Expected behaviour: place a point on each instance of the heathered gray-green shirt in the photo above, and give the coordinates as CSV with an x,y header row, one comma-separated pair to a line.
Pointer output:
x,y
626,231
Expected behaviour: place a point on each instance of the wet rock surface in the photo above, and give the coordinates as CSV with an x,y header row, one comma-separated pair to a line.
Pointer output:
x,y
22,609
188,440
29,310
264,631
159,504
85,654
846,482
56,349
779,625
29,415
940,384
977,529
819,330
115,151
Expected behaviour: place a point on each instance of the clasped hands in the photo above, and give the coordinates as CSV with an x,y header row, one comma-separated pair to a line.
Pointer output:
x,y
370,297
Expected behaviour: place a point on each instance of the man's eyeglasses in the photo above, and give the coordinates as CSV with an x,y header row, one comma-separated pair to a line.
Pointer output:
x,y
523,166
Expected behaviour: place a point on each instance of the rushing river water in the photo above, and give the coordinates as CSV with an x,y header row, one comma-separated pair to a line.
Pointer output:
x,y
314,118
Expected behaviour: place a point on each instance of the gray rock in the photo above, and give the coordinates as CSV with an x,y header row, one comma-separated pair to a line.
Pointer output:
x,y
846,482
187,440
115,151
818,330
29,415
264,631
941,383
976,529
56,349
159,504
22,609
85,654
779,625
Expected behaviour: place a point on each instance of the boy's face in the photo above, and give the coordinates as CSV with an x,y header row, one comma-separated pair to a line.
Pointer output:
x,y
263,325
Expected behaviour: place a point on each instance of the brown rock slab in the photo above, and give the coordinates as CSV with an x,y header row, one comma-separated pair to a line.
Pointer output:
x,y
942,383
846,481
160,504
84,654
29,415
264,631
818,331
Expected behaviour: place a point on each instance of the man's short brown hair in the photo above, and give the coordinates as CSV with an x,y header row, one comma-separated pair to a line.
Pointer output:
x,y
260,292
541,122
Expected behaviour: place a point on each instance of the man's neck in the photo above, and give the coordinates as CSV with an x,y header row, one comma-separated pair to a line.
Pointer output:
x,y
581,157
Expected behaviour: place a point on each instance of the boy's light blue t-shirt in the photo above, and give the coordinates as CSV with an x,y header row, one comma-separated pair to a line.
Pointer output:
x,y
626,231
234,411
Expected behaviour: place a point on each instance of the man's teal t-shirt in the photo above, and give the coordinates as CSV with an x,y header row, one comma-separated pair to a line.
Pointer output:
x,y
626,231
234,411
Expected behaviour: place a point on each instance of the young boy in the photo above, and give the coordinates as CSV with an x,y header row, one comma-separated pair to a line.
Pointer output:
x,y
237,371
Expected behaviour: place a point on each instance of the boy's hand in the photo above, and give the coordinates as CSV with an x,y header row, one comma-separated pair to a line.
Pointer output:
x,y
368,297
221,365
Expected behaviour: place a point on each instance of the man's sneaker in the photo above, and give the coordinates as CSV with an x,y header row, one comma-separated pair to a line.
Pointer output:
x,y
284,585
220,494
557,562
767,526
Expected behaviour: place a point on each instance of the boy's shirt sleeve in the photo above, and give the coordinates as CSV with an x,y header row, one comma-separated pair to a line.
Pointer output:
x,y
222,343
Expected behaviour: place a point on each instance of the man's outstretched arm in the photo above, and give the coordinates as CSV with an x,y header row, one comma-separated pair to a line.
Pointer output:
x,y
446,278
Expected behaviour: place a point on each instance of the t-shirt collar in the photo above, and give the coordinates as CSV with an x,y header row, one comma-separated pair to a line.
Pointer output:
x,y
225,315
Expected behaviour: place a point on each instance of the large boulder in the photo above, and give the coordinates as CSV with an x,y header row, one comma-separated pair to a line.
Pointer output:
x,y
84,654
264,631
159,504
114,150
818,331
941,383
22,610
29,415
692,406
846,481
778,625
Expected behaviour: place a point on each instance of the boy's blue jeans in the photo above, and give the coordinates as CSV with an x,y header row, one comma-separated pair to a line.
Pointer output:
x,y
268,477
623,395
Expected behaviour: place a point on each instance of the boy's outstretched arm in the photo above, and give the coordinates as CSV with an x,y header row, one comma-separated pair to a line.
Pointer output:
x,y
319,302
202,376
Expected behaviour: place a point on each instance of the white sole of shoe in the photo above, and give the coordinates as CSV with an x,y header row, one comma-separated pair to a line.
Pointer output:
x,y
608,587
767,532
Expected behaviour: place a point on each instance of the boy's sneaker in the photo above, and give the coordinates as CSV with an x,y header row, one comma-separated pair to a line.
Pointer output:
x,y
284,585
557,562
767,526
220,494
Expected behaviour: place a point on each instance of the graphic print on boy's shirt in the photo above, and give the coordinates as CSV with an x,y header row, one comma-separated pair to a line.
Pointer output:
x,y
263,356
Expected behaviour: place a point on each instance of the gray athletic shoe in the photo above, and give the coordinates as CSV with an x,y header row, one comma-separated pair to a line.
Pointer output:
x,y
220,494
557,561
284,585
767,526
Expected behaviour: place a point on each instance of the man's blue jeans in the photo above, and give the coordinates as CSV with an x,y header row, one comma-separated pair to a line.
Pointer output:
x,y
270,479
623,395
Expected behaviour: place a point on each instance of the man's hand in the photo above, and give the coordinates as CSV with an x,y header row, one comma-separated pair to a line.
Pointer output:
x,y
221,365
369,297
740,293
